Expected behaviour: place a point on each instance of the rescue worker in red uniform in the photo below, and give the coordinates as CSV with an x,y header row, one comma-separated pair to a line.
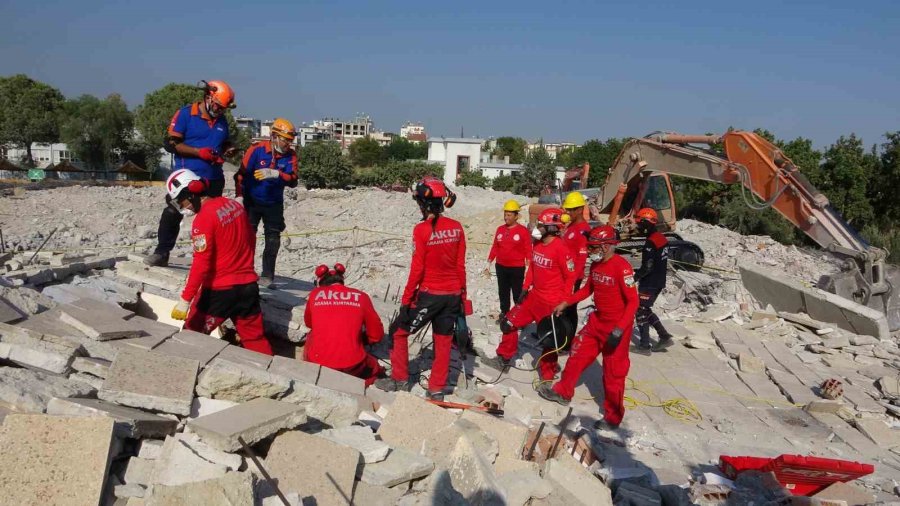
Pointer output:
x,y
341,321
548,282
198,140
575,237
608,330
222,282
651,278
435,290
512,249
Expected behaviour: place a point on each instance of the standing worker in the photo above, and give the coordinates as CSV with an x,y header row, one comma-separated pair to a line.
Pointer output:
x,y
267,167
435,290
608,330
511,249
341,320
575,238
222,283
651,278
198,137
548,282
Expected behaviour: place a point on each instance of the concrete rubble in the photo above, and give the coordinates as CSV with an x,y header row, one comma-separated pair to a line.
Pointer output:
x,y
98,386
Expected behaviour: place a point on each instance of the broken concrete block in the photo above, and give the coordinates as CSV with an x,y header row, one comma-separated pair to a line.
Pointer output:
x,y
521,409
202,406
863,340
48,459
823,406
510,437
400,466
221,379
630,493
437,488
31,391
440,444
240,355
568,474
338,381
190,344
139,471
130,422
879,432
847,492
231,461
37,351
150,449
93,381
523,485
334,408
297,370
361,439
157,277
253,421
96,366
473,477
329,481
373,495
96,325
836,342
233,489
889,386
151,380
99,307
129,490
179,464
751,364
411,421
155,333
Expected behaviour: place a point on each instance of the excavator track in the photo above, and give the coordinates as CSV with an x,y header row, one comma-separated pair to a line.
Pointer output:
x,y
685,255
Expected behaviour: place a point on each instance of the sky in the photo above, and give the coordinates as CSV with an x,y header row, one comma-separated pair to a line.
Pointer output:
x,y
560,71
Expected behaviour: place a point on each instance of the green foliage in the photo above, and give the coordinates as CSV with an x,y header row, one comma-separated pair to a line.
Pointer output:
x,y
845,171
514,147
601,155
736,216
98,131
473,178
505,183
29,112
323,166
365,152
538,172
153,116
885,182
401,173
402,149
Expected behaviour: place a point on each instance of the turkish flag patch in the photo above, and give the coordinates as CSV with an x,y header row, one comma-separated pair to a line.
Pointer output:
x,y
199,243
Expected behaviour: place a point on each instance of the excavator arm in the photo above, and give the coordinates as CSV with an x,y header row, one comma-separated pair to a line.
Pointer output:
x,y
768,179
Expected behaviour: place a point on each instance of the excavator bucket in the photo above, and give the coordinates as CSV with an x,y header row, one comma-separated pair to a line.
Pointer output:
x,y
850,284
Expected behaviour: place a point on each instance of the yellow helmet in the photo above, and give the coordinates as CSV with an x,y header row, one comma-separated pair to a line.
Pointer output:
x,y
511,206
283,128
573,200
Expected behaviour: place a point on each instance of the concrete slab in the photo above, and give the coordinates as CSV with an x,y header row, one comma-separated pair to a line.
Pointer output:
x,y
221,379
337,409
151,380
296,369
30,391
571,476
334,380
98,325
473,477
848,492
36,351
193,345
400,466
179,464
328,482
151,276
96,366
361,439
879,432
130,422
239,355
253,421
411,421
374,495
54,460
510,437
139,471
233,489
202,406
100,307
10,313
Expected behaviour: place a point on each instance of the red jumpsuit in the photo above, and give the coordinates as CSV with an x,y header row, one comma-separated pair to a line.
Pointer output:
x,y
222,274
550,275
576,241
616,301
337,315
433,293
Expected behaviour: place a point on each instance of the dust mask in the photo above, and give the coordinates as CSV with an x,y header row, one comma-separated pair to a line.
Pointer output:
x,y
595,257
186,212
536,234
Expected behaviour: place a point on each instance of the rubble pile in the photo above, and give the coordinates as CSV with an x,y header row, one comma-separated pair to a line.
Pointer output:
x,y
109,402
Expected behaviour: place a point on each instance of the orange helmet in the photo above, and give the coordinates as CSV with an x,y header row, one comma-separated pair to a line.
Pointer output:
x,y
647,214
553,217
284,129
220,93
604,234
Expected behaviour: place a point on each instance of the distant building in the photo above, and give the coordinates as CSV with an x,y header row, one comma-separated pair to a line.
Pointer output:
x,y
413,132
553,148
492,170
43,154
345,132
458,155
251,125
382,138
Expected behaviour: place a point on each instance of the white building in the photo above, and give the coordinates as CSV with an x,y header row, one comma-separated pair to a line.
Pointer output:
x,y
382,138
553,148
44,155
492,170
413,131
458,154
345,132
251,125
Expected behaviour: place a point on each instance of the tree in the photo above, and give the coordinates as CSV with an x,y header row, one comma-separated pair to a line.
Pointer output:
x,y
97,131
846,170
401,149
473,178
365,152
393,172
323,166
504,183
29,112
513,147
884,183
601,155
538,172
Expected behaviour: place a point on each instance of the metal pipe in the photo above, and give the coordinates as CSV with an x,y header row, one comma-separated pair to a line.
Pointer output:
x,y
41,246
263,470
535,442
562,428
386,291
689,139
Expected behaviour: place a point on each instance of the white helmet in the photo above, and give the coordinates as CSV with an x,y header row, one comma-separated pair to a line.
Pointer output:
x,y
184,184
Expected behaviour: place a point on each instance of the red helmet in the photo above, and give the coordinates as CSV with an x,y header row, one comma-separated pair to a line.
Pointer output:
x,y
604,234
647,214
434,194
323,270
553,217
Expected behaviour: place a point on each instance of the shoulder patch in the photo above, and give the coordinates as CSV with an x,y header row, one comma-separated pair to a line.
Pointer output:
x,y
629,281
570,264
199,242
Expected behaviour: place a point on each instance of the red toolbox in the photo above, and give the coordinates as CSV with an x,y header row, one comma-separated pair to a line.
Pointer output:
x,y
800,475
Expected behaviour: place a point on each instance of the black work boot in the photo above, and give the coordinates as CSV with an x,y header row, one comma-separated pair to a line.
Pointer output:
x,y
434,396
392,385
644,346
270,253
604,425
545,390
665,339
498,362
157,260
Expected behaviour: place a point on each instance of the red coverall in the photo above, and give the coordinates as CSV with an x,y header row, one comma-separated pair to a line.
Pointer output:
x,y
335,315
576,241
616,301
433,293
550,276
222,282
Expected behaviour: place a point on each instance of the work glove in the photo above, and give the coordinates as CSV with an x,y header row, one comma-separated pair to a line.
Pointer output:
x,y
612,342
210,155
180,311
261,174
522,296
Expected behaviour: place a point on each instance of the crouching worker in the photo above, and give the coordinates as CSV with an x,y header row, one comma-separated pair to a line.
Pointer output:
x,y
342,320
222,281
607,332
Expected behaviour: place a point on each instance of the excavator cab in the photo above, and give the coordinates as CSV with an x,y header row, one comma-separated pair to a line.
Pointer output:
x,y
653,190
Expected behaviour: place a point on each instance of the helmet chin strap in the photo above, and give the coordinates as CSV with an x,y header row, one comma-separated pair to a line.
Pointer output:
x,y
276,146
209,109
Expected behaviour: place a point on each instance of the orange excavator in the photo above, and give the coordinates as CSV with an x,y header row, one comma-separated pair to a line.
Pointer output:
x,y
640,178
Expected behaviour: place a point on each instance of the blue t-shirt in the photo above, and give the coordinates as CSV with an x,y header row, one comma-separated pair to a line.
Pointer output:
x,y
198,130
268,191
